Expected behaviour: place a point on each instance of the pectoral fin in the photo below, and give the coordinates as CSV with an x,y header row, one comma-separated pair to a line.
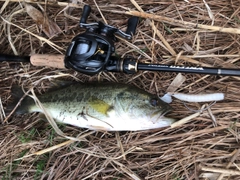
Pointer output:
x,y
100,105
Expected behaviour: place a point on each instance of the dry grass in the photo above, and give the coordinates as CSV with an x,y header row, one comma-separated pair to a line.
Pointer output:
x,y
198,149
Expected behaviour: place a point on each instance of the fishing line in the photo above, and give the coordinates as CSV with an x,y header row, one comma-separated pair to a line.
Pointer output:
x,y
196,111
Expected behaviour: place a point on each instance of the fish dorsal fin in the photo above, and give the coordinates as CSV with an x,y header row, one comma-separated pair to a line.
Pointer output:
x,y
100,105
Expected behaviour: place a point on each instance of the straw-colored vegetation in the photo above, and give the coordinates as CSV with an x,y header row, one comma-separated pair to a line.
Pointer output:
x,y
182,32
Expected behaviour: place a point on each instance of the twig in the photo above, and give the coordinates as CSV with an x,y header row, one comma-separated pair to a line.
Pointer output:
x,y
80,138
230,163
4,6
56,47
186,119
105,21
120,145
220,170
136,5
181,135
208,56
2,113
48,2
169,48
154,17
183,23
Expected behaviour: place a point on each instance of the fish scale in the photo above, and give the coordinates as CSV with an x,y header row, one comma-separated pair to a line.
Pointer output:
x,y
100,106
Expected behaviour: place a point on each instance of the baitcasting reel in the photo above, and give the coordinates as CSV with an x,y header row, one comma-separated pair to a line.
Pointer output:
x,y
90,52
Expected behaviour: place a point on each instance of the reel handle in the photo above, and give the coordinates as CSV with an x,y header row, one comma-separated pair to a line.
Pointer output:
x,y
85,14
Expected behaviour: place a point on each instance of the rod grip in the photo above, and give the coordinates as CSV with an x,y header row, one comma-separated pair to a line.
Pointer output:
x,y
49,60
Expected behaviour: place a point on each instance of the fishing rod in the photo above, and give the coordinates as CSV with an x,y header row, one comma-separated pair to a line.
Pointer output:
x,y
91,52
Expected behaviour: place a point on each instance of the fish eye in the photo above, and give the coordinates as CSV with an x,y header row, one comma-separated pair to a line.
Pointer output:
x,y
154,102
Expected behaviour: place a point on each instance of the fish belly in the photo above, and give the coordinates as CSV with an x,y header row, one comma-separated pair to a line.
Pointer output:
x,y
111,122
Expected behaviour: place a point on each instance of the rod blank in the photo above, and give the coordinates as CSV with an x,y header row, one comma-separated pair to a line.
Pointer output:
x,y
13,58
183,69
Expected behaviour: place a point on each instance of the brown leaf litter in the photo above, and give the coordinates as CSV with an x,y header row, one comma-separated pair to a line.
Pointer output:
x,y
181,32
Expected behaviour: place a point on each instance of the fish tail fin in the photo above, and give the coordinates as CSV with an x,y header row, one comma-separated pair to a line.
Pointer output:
x,y
18,97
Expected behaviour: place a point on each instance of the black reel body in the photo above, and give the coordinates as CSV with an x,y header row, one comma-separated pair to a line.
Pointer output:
x,y
90,52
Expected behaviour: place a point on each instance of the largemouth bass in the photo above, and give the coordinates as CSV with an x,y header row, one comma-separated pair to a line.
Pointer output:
x,y
108,107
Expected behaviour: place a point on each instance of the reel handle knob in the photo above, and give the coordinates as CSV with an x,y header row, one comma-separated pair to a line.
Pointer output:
x,y
85,14
132,25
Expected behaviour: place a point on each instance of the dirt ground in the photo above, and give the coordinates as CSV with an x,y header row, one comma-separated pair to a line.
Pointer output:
x,y
180,32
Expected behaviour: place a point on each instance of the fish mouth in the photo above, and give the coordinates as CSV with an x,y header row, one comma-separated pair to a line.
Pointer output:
x,y
160,116
164,111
